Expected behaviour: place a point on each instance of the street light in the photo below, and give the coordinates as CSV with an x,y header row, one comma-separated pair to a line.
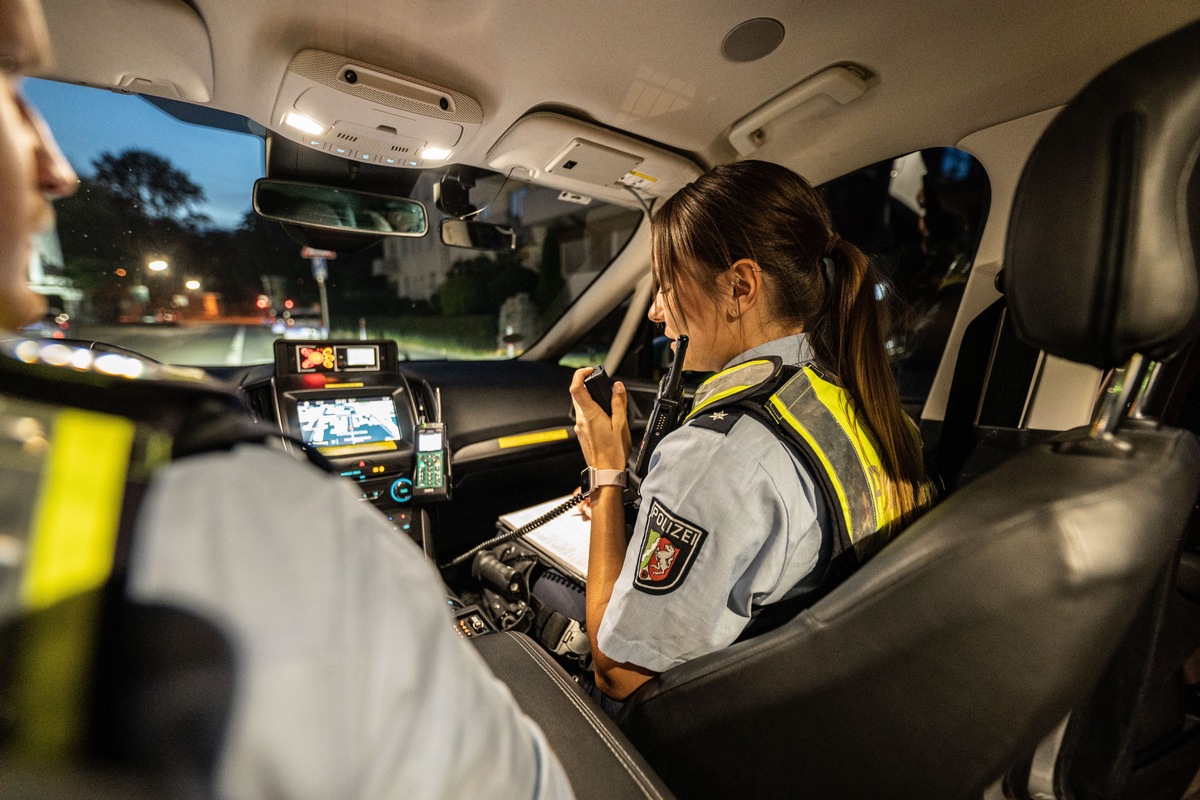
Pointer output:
x,y
157,265
192,285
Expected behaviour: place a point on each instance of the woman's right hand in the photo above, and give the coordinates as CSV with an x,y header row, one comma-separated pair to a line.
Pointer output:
x,y
605,440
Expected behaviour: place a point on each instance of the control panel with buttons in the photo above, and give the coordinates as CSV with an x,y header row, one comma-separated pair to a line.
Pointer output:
x,y
470,623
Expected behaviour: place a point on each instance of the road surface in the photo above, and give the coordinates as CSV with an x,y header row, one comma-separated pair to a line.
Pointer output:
x,y
202,344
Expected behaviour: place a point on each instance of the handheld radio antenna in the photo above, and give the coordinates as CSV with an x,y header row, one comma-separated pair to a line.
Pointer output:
x,y
665,415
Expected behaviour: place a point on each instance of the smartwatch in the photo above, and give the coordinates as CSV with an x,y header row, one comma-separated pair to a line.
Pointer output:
x,y
591,477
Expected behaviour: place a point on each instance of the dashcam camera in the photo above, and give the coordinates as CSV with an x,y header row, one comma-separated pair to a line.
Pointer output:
x,y
452,196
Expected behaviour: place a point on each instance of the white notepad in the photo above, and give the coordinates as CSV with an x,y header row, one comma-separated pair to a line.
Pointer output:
x,y
563,540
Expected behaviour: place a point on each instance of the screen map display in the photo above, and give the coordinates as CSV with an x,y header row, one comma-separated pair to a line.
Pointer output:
x,y
347,421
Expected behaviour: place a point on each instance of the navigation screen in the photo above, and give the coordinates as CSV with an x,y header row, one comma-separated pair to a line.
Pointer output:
x,y
352,420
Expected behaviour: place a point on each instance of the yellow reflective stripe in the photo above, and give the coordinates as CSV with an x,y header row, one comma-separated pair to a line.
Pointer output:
x,y
836,400
539,437
725,373
722,376
51,686
718,396
78,509
820,454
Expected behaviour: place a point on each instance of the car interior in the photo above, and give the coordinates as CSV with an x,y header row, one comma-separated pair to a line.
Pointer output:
x,y
1028,177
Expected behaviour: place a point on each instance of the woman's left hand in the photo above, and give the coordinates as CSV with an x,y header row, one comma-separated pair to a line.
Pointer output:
x,y
605,440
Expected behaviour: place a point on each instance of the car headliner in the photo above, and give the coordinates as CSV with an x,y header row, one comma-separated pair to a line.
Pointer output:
x,y
938,70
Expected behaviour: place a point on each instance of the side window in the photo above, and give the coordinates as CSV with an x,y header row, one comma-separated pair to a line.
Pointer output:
x,y
592,349
919,217
647,359
649,355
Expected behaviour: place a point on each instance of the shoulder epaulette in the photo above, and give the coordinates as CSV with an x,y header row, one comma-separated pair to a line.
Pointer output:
x,y
720,420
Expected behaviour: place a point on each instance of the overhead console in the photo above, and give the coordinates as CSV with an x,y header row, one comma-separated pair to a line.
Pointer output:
x,y
369,114
347,400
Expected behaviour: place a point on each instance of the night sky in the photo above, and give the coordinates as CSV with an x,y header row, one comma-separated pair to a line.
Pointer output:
x,y
88,122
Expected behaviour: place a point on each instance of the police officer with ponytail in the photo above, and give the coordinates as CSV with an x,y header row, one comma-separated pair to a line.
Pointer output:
x,y
796,459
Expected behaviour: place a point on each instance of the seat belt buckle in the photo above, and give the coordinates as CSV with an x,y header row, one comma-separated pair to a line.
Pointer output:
x,y
573,641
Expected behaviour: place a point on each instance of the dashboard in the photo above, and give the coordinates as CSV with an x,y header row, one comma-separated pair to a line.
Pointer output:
x,y
498,434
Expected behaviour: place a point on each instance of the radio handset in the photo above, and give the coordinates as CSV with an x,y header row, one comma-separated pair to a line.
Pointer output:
x,y
431,478
600,387
664,418
667,412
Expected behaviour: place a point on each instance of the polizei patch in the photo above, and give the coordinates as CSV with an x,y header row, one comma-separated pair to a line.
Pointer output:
x,y
669,547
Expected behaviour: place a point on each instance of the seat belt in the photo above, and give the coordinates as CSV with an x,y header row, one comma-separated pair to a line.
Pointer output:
x,y
991,382
557,632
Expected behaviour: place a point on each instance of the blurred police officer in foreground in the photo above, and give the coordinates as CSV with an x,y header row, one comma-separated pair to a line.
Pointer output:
x,y
347,678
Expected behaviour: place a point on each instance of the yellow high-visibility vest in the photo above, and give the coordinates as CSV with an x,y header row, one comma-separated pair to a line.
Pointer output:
x,y
819,421
81,435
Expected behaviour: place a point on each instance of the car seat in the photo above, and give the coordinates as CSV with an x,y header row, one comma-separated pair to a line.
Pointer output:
x,y
1138,734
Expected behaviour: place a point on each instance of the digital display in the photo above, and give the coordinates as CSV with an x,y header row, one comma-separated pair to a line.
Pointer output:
x,y
347,421
337,358
361,357
428,441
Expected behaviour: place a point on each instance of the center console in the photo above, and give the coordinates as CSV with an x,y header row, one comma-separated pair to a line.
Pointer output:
x,y
347,400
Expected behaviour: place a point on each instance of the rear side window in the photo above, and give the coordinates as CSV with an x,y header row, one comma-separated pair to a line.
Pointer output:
x,y
919,217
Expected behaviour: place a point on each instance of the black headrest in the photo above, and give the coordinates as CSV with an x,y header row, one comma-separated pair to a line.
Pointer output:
x,y
1101,252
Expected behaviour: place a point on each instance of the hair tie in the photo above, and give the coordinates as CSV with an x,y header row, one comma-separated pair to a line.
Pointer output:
x,y
831,243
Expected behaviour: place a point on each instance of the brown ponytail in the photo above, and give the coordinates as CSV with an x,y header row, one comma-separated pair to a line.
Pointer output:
x,y
850,339
817,281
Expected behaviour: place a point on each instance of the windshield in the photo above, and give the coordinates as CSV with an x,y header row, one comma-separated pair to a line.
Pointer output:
x,y
160,252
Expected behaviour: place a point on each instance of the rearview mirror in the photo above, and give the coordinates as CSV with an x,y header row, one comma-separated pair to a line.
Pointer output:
x,y
478,235
328,208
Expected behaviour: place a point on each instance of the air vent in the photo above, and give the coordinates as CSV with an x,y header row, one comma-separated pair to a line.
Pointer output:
x,y
398,149
347,137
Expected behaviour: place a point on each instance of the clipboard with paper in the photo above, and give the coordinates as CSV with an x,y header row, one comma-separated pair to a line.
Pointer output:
x,y
563,541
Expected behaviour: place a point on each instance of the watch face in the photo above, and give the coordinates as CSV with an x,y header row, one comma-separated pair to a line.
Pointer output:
x,y
585,482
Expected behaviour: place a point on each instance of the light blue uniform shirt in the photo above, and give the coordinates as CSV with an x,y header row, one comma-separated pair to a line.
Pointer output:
x,y
350,680
745,523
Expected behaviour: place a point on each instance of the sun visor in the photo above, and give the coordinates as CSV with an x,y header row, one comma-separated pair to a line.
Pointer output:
x,y
588,160
155,47
369,114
